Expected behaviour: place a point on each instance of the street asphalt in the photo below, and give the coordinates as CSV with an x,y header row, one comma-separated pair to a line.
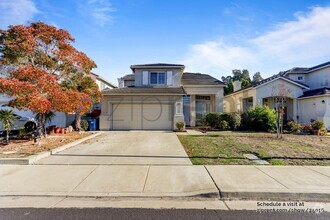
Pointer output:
x,y
145,214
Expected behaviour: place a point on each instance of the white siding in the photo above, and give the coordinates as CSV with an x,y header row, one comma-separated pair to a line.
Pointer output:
x,y
314,109
319,78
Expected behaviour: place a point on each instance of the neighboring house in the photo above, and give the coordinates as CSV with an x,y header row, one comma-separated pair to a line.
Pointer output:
x,y
307,92
156,96
126,81
101,82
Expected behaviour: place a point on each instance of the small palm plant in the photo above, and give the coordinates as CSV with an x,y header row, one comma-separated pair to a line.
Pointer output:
x,y
7,118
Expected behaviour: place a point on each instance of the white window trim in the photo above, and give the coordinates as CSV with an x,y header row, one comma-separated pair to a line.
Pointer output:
x,y
165,76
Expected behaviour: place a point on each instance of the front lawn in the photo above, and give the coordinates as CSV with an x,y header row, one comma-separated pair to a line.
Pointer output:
x,y
229,147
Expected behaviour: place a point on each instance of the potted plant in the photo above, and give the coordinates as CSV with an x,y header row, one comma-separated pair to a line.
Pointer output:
x,y
180,126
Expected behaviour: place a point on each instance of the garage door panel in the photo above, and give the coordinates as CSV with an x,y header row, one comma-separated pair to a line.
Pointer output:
x,y
126,116
142,116
157,116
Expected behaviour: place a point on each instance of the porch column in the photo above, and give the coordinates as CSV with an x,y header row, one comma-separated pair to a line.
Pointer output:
x,y
219,101
178,114
295,109
192,110
255,101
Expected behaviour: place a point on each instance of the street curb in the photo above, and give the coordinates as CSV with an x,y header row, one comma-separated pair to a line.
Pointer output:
x,y
34,158
324,197
201,195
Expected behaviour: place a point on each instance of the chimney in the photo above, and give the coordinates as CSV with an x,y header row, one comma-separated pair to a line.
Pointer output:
x,y
237,85
120,83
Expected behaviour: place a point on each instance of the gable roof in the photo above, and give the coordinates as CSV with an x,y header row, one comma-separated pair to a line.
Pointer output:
x,y
199,79
270,79
157,65
316,92
100,78
304,70
145,91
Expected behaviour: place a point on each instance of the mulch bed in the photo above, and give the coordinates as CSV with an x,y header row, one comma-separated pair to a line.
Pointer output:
x,y
18,148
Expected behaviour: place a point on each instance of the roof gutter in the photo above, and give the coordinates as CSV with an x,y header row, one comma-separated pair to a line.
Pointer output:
x,y
144,94
203,86
315,96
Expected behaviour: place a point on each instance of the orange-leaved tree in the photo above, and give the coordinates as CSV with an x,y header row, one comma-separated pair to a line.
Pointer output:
x,y
42,57
85,86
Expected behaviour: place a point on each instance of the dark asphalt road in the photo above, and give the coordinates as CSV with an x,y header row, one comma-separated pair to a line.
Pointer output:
x,y
145,214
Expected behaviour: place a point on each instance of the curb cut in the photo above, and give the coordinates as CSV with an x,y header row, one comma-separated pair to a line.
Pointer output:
x,y
34,158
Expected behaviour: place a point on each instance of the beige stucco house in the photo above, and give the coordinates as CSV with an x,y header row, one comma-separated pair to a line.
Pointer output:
x,y
307,92
156,96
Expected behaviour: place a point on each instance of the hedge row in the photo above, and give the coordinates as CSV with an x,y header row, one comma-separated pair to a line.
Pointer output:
x,y
256,119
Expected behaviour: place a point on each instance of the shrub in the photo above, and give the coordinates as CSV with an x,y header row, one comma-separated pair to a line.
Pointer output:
x,y
323,132
318,125
308,129
223,125
233,120
180,125
293,126
212,119
261,118
84,124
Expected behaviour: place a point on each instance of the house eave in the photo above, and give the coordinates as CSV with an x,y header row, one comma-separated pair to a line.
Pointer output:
x,y
143,94
315,96
237,92
203,86
283,78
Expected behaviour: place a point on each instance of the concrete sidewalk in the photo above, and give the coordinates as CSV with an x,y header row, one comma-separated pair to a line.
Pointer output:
x,y
226,182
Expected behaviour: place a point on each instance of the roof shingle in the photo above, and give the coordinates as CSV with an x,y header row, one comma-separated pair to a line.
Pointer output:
x,y
316,92
128,77
157,65
277,76
199,79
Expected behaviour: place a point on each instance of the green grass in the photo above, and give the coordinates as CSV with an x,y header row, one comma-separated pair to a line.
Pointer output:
x,y
228,148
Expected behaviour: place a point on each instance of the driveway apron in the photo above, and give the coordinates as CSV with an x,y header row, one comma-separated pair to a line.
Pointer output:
x,y
125,147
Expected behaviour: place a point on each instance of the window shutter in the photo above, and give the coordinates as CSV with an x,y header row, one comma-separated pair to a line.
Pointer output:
x,y
145,77
169,77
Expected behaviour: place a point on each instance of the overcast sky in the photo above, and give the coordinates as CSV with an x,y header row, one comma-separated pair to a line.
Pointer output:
x,y
207,36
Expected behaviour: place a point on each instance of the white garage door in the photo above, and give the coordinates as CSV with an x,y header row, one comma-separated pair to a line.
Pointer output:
x,y
142,116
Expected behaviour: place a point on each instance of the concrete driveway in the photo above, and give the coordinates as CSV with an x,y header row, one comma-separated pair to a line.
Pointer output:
x,y
125,147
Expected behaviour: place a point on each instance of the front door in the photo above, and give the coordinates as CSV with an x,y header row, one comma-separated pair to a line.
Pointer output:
x,y
186,110
203,106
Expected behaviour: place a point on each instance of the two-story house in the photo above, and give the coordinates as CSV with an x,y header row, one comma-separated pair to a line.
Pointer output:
x,y
156,96
306,92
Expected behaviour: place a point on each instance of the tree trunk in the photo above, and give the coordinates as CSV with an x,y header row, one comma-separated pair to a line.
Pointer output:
x,y
7,137
78,121
41,126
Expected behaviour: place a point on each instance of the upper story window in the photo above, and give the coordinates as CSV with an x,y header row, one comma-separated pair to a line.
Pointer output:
x,y
300,78
157,78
